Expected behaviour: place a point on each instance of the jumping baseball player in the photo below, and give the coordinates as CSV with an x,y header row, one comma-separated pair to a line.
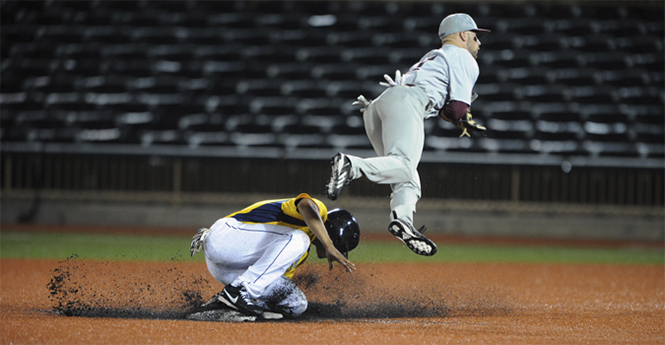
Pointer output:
x,y
254,252
440,84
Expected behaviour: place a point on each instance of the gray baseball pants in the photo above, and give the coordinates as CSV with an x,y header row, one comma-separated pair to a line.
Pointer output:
x,y
394,123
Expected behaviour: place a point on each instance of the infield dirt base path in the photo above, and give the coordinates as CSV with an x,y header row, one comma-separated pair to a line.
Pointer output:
x,y
378,304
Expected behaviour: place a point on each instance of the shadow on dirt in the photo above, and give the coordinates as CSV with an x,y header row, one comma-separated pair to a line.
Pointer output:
x,y
110,290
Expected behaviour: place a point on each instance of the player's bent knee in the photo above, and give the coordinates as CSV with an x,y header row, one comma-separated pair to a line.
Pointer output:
x,y
407,170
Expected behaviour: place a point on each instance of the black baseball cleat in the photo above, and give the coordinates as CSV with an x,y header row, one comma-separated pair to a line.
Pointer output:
x,y
238,299
414,239
341,175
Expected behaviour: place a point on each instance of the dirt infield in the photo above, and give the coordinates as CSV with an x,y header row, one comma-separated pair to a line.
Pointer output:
x,y
145,303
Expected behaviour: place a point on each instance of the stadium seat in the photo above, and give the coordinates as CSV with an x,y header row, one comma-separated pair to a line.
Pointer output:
x,y
350,90
640,44
562,112
226,52
290,70
541,42
591,94
650,150
511,11
507,58
556,59
652,62
319,55
618,27
574,76
589,43
603,112
405,56
367,55
620,149
406,39
338,71
496,92
623,78
525,75
425,24
273,105
521,25
505,145
558,147
259,87
268,53
275,21
320,106
348,141
647,133
345,39
540,93
564,79
501,41
154,137
304,88
571,26
606,132
557,130
375,72
292,141
614,60
323,123
509,129
651,95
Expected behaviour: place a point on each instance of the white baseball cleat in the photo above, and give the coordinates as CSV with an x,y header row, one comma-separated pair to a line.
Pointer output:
x,y
413,238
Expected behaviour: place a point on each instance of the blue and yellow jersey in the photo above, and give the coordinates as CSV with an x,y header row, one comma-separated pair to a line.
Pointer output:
x,y
282,212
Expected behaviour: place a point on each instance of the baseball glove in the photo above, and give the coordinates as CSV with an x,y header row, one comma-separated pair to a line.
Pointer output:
x,y
466,123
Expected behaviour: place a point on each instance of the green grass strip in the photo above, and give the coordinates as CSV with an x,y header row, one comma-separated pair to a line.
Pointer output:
x,y
35,245
470,253
38,245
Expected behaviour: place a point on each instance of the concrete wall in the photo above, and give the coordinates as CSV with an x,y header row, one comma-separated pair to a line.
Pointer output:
x,y
449,217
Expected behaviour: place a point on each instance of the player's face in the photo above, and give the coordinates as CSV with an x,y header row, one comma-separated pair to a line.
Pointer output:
x,y
472,43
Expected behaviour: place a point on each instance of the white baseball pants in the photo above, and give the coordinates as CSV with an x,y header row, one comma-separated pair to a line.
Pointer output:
x,y
256,256
394,123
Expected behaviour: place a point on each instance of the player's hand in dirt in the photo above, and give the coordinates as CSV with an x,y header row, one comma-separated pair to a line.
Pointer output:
x,y
334,255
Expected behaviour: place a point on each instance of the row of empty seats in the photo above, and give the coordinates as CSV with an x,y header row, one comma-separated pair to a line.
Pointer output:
x,y
555,79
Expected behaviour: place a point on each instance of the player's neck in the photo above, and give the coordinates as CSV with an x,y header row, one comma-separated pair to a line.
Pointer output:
x,y
456,43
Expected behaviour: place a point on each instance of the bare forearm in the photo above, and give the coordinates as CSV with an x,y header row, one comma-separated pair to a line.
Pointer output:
x,y
314,222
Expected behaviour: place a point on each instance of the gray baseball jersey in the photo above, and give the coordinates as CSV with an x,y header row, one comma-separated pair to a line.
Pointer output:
x,y
445,74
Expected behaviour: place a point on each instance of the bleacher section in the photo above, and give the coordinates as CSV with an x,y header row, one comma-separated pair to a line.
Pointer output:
x,y
570,80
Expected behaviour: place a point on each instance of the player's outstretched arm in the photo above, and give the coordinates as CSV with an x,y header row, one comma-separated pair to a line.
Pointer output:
x,y
310,214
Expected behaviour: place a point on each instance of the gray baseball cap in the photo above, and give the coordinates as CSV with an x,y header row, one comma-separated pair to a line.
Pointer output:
x,y
459,22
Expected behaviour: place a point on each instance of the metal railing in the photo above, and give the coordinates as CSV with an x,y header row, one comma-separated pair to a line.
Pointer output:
x,y
473,176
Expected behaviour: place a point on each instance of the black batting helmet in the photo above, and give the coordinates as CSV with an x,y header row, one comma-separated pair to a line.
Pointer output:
x,y
343,230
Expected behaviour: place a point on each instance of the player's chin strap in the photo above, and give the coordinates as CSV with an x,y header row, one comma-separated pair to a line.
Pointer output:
x,y
197,241
390,82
